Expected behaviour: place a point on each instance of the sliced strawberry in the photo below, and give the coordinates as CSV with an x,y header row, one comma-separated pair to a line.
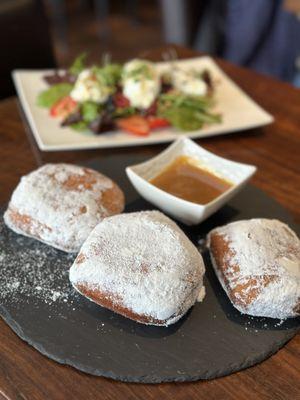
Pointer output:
x,y
63,107
136,125
120,100
157,122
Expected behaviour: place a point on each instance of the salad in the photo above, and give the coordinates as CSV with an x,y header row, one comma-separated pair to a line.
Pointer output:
x,y
134,97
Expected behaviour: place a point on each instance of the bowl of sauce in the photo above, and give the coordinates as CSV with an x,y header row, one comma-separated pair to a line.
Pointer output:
x,y
188,182
183,178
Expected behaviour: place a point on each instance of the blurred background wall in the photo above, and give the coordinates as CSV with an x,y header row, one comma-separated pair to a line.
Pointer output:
x,y
259,34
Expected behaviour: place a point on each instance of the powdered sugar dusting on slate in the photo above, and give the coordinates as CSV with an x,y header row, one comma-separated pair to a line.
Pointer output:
x,y
264,247
144,259
26,270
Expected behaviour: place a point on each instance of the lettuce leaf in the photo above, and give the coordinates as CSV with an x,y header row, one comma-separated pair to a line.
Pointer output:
x,y
187,113
90,111
80,126
78,64
56,92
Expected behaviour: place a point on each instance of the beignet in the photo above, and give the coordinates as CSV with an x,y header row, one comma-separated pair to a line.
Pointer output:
x,y
258,264
140,265
60,204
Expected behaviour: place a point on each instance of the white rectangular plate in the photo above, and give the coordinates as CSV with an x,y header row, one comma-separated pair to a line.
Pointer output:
x,y
238,111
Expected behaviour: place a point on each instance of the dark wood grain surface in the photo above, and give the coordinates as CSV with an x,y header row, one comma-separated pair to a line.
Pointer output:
x,y
275,149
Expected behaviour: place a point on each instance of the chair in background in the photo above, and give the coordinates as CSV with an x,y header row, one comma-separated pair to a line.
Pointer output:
x,y
181,19
24,40
263,35
101,9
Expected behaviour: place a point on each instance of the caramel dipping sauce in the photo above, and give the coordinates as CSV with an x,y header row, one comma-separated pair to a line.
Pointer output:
x,y
185,179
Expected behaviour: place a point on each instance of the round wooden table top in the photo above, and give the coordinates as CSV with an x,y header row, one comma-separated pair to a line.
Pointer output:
x,y
275,150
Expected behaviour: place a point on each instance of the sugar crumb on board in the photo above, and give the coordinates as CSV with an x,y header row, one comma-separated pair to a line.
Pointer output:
x,y
25,270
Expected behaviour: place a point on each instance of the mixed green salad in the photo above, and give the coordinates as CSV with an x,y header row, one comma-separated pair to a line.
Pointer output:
x,y
134,97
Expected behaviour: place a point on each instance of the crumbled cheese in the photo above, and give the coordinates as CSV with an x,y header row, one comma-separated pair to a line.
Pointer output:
x,y
189,82
88,88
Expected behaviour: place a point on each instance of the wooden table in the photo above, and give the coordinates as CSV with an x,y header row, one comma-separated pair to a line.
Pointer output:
x,y
26,374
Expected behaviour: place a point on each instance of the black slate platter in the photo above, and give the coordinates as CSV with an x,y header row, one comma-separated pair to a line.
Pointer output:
x,y
212,340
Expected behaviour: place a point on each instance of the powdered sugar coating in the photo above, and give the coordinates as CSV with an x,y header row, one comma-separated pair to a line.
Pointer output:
x,y
266,253
145,261
60,204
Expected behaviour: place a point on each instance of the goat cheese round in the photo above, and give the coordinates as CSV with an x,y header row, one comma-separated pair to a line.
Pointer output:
x,y
141,83
88,88
189,82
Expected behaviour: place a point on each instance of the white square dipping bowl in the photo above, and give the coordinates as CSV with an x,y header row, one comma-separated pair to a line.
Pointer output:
x,y
185,211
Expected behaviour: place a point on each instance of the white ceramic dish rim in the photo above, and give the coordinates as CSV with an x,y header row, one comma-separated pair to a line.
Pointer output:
x,y
186,203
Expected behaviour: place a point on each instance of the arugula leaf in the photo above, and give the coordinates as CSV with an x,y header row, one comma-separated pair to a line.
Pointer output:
x,y
56,92
182,119
186,112
124,112
109,75
78,64
79,126
89,111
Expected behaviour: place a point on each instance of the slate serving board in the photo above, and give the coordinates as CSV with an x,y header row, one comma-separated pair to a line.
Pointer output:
x,y
212,340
